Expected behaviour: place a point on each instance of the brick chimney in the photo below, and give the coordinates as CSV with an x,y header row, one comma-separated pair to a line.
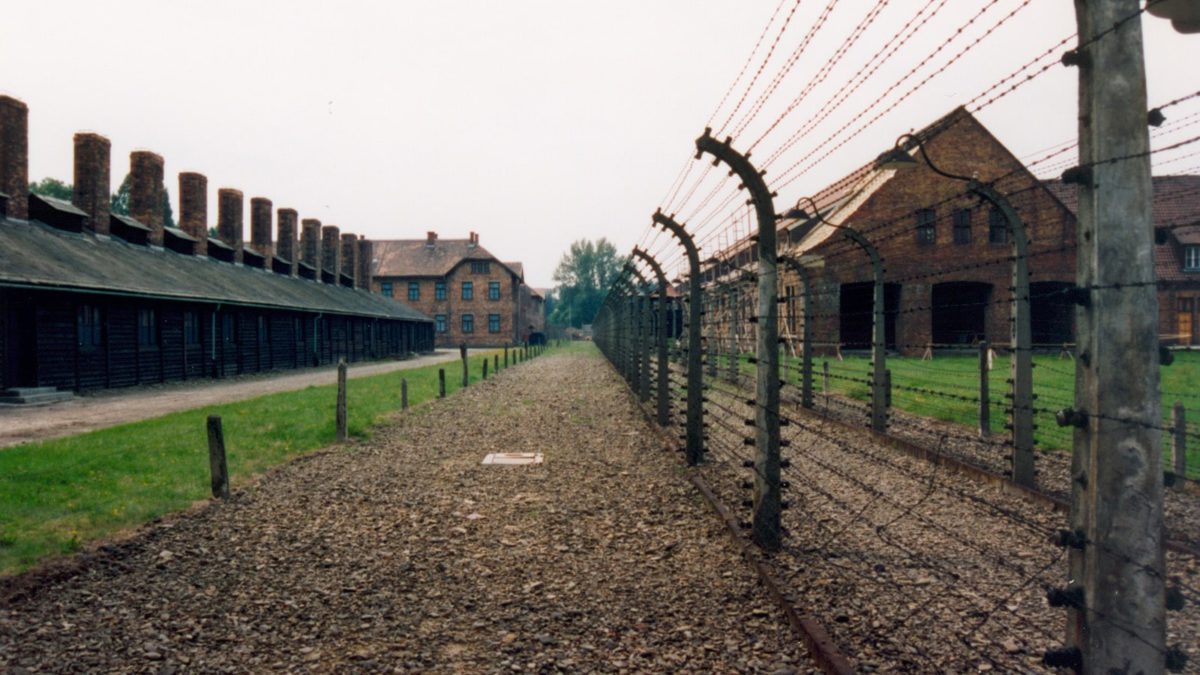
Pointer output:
x,y
146,193
366,255
349,258
92,190
473,240
430,238
331,250
310,244
14,155
229,220
193,208
285,238
260,227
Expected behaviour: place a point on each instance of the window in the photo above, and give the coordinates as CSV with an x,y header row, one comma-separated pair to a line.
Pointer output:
x,y
440,323
468,323
91,333
439,290
228,334
1191,258
481,267
962,226
468,290
414,290
493,290
997,227
298,329
147,328
385,287
191,328
493,323
926,233
264,335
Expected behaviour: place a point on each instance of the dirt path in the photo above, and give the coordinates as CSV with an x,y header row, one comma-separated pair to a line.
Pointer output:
x,y
405,554
119,406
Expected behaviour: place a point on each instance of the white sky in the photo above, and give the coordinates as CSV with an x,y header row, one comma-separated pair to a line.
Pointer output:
x,y
533,122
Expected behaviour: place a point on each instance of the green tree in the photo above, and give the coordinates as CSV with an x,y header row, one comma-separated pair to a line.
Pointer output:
x,y
583,276
52,187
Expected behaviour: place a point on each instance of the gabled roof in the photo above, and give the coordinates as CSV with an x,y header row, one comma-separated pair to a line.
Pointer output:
x,y
517,268
415,258
1176,208
33,255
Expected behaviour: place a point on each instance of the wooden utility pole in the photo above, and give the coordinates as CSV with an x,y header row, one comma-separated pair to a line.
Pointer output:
x,y
1119,625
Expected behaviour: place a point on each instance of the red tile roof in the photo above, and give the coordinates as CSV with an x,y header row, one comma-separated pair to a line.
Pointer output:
x,y
1176,208
415,258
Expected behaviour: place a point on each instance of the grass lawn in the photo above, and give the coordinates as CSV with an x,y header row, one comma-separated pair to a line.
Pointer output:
x,y
947,388
58,494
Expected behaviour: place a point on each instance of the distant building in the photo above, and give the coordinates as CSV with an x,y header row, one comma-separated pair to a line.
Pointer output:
x,y
474,298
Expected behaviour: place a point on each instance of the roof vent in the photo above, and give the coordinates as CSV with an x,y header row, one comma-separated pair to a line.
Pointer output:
x,y
56,213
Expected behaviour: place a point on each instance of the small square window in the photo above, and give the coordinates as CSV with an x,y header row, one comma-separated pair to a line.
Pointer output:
x,y
962,226
997,227
468,290
493,290
926,231
468,323
481,267
147,328
91,335
414,290
493,323
440,323
385,287
439,290
1191,258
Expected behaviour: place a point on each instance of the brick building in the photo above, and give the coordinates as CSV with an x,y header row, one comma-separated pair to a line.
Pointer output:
x,y
90,299
947,255
1176,254
475,298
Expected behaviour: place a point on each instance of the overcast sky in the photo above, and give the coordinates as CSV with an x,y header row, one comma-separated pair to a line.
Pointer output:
x,y
535,123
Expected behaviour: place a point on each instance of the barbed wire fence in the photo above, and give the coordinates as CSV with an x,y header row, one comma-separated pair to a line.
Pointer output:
x,y
860,392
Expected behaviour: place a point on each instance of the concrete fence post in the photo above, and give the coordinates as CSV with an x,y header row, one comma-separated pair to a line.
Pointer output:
x,y
985,409
342,434
766,528
218,468
1179,443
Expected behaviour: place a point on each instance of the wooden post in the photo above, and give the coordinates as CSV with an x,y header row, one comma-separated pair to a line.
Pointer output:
x,y
985,407
505,356
1117,486
216,458
825,381
341,401
466,380
441,383
495,363
403,394
485,365
1179,444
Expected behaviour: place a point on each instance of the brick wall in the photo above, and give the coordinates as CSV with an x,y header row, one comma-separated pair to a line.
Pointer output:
x,y
453,307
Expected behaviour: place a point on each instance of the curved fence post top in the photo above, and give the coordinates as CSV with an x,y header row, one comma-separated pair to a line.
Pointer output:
x,y
752,179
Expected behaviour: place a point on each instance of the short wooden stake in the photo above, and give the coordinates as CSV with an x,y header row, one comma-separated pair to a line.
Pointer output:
x,y
466,373
216,458
403,394
1179,444
441,383
485,365
506,356
495,363
341,401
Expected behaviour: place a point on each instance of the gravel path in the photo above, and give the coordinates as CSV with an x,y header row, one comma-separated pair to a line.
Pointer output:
x,y
109,407
405,554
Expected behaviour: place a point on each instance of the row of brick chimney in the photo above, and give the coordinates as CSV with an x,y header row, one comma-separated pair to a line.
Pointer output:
x,y
322,252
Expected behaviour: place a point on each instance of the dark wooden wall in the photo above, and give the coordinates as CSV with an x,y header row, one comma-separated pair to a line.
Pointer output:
x,y
263,340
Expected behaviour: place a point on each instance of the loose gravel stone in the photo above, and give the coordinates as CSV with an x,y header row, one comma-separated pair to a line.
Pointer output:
x,y
405,554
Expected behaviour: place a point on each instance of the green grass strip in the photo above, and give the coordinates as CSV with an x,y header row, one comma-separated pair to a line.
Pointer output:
x,y
57,495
